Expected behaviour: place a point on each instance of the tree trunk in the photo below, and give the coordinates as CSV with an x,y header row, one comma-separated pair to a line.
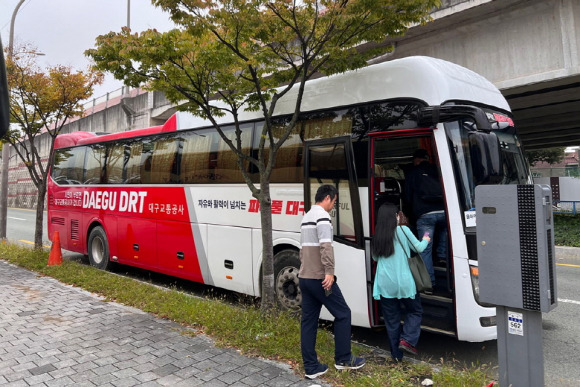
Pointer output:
x,y
39,216
268,292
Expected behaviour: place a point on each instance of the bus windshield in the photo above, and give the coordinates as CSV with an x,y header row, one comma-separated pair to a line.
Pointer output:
x,y
514,166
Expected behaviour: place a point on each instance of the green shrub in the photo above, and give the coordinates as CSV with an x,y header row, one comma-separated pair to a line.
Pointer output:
x,y
567,230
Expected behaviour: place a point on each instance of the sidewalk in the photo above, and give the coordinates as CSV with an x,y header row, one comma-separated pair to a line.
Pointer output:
x,y
53,334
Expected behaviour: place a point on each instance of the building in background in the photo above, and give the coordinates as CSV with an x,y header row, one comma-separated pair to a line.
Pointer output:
x,y
568,167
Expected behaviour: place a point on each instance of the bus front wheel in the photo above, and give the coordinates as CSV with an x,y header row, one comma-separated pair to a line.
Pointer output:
x,y
286,267
98,248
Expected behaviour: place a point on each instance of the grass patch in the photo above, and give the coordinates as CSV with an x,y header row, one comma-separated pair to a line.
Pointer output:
x,y
245,328
566,230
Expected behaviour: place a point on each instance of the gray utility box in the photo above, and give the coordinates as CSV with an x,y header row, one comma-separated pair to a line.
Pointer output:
x,y
515,246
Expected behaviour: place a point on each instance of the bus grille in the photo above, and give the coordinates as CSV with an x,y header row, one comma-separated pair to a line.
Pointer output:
x,y
57,220
551,268
74,229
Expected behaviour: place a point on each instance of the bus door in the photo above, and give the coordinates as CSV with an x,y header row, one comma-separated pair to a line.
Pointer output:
x,y
330,161
391,157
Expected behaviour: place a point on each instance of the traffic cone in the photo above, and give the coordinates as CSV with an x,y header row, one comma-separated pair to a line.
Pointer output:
x,y
55,257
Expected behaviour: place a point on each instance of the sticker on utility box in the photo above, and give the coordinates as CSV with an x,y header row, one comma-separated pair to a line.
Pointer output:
x,y
515,323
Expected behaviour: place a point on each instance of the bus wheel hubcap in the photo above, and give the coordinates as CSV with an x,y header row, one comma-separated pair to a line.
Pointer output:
x,y
287,288
98,250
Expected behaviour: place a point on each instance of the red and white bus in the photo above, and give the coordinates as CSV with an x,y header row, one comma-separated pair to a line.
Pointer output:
x,y
171,199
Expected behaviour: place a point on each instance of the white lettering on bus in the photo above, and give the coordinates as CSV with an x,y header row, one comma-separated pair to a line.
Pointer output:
x,y
109,200
105,200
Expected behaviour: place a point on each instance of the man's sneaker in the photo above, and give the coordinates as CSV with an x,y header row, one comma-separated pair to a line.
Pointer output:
x,y
406,347
353,364
321,370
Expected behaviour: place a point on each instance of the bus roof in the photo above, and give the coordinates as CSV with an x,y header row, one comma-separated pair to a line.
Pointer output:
x,y
433,81
81,138
66,140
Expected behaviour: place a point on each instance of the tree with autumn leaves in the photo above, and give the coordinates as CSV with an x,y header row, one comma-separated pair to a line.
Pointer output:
x,y
229,56
41,102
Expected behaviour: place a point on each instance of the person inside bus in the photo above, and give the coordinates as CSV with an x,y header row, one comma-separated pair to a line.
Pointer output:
x,y
424,194
394,286
318,287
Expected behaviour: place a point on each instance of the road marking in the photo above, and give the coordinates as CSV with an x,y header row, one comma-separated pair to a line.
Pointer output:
x,y
25,209
31,243
567,264
569,301
11,217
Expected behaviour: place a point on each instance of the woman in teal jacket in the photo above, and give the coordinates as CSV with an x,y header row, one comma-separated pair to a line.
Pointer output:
x,y
394,285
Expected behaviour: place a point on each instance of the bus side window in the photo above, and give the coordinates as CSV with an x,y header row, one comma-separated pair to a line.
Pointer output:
x,y
163,160
288,168
94,164
76,166
226,169
134,163
61,162
147,160
114,166
195,157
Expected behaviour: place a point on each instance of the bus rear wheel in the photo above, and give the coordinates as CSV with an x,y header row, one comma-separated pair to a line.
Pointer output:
x,y
286,268
98,248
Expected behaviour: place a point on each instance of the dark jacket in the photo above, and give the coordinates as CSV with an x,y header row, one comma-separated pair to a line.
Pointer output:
x,y
423,189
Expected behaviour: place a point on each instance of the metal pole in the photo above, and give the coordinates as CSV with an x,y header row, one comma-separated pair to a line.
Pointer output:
x,y
4,191
129,14
5,147
519,347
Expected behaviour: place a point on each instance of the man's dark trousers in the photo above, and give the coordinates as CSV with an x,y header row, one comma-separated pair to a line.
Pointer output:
x,y
313,297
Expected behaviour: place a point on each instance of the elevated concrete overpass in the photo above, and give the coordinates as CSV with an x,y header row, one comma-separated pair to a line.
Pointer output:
x,y
528,48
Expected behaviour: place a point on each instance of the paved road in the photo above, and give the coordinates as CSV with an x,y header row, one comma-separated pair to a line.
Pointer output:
x,y
561,330
52,334
20,226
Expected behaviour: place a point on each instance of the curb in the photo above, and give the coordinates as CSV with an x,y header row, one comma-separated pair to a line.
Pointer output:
x,y
567,252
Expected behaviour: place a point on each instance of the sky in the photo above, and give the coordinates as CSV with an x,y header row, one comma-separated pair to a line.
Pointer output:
x,y
64,29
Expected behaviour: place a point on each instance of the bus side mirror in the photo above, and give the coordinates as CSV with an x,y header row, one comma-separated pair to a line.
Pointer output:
x,y
430,116
486,158
4,101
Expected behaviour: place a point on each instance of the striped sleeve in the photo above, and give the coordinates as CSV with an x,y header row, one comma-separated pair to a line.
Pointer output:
x,y
324,228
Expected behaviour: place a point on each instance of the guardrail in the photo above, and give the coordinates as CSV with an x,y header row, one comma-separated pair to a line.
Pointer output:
x,y
89,106
568,207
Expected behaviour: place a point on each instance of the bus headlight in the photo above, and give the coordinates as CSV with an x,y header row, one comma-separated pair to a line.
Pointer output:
x,y
474,271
